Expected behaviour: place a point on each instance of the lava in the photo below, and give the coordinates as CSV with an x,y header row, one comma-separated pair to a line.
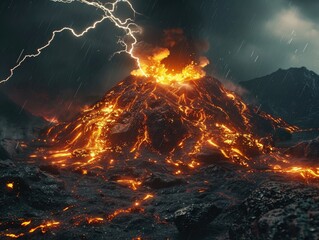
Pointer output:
x,y
43,227
10,185
154,67
185,124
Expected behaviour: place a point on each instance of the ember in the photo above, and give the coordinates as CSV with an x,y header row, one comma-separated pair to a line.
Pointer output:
x,y
168,152
10,185
186,123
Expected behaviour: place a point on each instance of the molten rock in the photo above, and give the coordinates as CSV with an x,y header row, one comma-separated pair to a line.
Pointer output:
x,y
173,122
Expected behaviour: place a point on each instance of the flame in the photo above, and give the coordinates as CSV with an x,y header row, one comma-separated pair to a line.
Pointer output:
x,y
44,226
303,171
95,220
83,142
26,223
224,125
12,235
10,185
152,66
133,184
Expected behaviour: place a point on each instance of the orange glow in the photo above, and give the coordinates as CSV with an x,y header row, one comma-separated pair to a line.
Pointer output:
x,y
148,196
216,120
133,184
10,185
88,139
305,172
123,211
153,66
51,119
95,220
26,223
45,226
12,235
66,209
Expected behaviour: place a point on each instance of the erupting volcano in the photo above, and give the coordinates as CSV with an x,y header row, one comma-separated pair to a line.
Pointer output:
x,y
169,152
163,127
180,119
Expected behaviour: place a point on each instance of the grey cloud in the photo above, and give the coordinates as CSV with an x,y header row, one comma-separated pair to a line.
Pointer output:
x,y
243,38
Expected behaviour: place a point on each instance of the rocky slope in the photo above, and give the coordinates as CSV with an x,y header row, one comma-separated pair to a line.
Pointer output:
x,y
15,122
292,94
157,162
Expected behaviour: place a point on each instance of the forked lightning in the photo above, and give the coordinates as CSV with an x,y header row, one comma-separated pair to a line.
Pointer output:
x,y
130,28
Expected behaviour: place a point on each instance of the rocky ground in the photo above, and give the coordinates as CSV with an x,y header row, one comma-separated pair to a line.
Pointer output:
x,y
142,199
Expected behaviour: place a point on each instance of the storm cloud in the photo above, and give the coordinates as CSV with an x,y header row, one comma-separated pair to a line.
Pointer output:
x,y
246,39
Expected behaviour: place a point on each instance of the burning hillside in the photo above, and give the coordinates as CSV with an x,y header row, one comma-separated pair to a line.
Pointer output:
x,y
169,111
153,140
167,153
183,124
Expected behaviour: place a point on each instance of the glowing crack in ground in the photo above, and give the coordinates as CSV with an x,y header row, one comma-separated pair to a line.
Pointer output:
x,y
127,25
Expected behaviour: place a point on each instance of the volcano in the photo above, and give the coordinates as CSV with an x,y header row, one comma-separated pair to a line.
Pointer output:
x,y
154,158
184,124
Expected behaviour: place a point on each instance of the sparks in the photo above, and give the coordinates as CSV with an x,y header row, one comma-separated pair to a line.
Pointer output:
x,y
10,185
127,25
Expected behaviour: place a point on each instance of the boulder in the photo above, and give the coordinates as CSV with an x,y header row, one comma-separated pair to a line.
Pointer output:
x,y
195,218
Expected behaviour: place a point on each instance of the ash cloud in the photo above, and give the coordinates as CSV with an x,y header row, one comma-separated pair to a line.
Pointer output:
x,y
243,40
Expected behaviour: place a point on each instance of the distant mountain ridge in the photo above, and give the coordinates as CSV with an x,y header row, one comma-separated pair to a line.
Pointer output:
x,y
292,94
16,122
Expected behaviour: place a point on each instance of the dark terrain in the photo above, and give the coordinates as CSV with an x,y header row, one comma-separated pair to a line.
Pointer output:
x,y
217,200
15,121
292,94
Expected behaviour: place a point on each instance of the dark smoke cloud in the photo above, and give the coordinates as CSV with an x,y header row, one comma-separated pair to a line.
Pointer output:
x,y
246,39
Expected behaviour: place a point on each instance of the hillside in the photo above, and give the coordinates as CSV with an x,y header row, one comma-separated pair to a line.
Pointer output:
x,y
292,94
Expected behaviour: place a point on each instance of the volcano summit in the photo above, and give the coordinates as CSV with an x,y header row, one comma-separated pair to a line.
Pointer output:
x,y
186,125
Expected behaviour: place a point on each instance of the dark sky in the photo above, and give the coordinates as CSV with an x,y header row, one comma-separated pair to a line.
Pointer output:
x,y
247,39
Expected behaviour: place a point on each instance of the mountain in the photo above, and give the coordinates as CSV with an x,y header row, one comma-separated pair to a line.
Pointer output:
x,y
291,94
198,119
15,122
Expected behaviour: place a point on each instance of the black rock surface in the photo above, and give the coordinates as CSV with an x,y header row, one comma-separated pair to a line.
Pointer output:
x,y
292,94
193,219
305,149
16,122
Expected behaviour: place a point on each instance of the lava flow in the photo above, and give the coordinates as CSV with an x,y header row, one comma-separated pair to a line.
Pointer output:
x,y
183,119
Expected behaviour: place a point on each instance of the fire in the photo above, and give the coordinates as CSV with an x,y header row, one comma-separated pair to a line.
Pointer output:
x,y
153,66
148,196
12,235
133,184
172,111
26,223
124,211
45,226
304,171
10,185
95,220
205,115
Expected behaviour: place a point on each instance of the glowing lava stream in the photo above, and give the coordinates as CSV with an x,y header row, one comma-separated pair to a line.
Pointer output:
x,y
127,25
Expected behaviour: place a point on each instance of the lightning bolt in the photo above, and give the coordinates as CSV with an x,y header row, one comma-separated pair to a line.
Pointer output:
x,y
130,28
